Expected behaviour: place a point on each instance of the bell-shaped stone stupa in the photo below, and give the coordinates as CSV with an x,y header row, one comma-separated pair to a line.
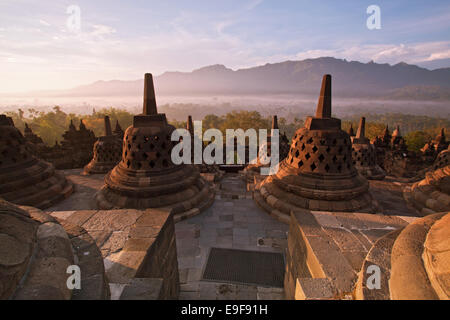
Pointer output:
x,y
107,152
364,154
211,172
36,252
318,173
253,171
25,179
146,177
351,133
432,194
118,130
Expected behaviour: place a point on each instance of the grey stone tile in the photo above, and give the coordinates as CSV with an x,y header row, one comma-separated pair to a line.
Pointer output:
x,y
183,273
244,240
270,296
225,224
221,232
194,274
186,262
189,295
240,232
190,287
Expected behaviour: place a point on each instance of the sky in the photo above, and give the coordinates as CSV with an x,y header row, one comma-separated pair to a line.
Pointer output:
x,y
42,47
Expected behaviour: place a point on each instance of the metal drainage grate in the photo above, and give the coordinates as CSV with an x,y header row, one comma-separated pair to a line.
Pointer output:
x,y
245,267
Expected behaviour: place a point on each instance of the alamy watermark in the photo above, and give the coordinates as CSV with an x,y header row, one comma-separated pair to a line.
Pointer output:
x,y
374,280
73,22
374,20
213,153
74,280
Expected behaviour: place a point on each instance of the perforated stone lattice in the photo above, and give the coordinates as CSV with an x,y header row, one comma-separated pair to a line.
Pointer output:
x,y
265,151
147,152
321,153
108,151
442,160
14,149
245,267
364,155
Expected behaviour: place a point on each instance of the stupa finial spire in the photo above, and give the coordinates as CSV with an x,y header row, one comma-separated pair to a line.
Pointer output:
x,y
361,129
274,122
149,96
190,125
108,131
324,103
396,132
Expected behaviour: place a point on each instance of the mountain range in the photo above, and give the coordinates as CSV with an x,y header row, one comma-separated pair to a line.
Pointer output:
x,y
350,79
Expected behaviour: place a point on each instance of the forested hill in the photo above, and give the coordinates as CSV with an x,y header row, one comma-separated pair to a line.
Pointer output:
x,y
350,79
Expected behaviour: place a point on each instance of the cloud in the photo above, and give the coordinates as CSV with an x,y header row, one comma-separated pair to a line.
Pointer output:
x,y
100,30
385,53
253,4
439,55
44,23
187,41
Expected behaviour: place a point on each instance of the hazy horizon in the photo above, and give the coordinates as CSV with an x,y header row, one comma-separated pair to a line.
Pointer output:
x,y
178,107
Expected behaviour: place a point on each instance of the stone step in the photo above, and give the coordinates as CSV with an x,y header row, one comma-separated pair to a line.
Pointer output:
x,y
49,194
14,182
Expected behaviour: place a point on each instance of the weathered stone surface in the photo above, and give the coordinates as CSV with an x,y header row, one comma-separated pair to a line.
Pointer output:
x,y
107,152
41,292
122,266
364,155
12,251
75,149
48,272
378,256
17,241
146,177
25,179
409,279
54,250
252,171
134,244
314,289
436,257
249,225
431,194
333,247
318,173
143,289
93,288
51,229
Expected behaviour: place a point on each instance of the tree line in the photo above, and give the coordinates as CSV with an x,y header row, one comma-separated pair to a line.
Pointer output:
x,y
417,130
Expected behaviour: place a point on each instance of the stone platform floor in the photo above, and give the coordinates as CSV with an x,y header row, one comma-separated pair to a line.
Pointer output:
x,y
83,196
389,195
233,221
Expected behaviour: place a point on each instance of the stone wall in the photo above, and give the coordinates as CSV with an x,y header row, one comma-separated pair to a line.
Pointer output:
x,y
138,249
326,251
161,259
296,266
